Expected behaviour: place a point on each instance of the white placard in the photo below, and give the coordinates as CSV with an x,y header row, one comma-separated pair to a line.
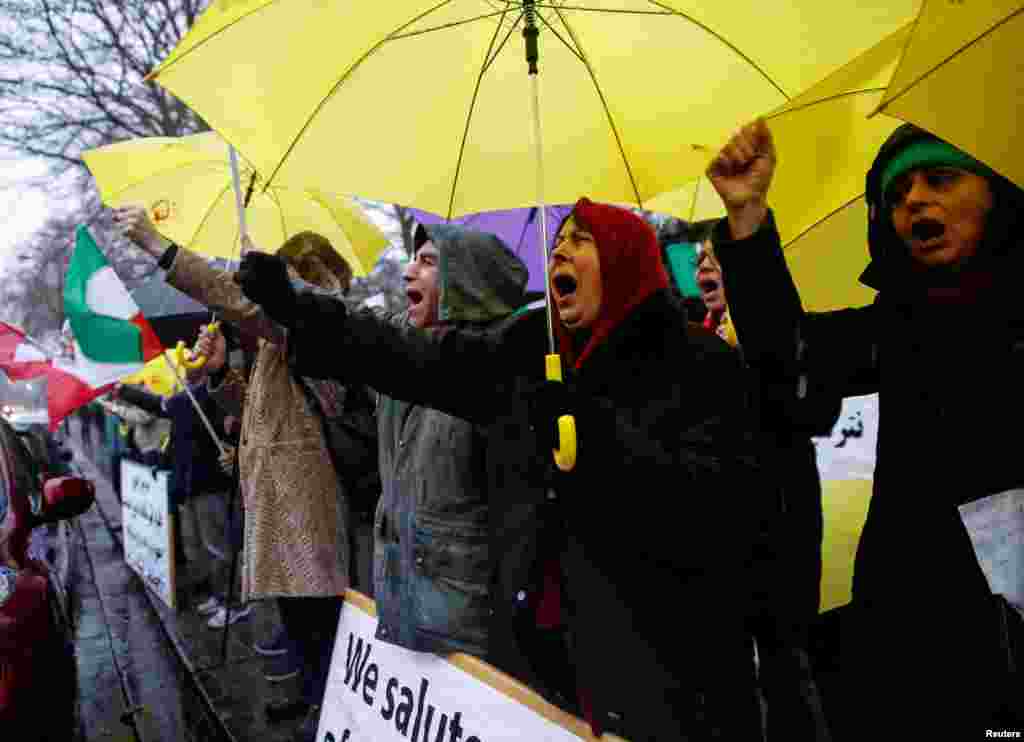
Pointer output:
x,y
849,452
377,692
146,528
996,527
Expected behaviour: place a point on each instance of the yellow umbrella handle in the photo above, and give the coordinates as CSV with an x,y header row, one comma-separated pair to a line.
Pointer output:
x,y
185,359
565,454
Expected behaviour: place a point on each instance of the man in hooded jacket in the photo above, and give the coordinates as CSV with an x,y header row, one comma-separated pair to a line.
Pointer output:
x,y
431,554
929,649
647,667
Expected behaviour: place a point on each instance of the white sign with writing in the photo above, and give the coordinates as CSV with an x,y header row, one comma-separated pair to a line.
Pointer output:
x,y
996,527
849,452
146,528
378,692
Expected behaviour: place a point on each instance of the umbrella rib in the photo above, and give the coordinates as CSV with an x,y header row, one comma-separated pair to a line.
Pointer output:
x,y
488,60
156,73
693,203
728,44
950,58
610,11
826,99
445,26
558,36
604,104
823,219
274,194
209,212
341,81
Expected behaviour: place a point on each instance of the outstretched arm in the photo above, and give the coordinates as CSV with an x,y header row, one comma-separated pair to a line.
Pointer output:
x,y
464,373
804,361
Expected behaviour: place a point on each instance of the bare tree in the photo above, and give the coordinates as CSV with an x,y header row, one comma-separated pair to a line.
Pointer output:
x,y
73,74
71,78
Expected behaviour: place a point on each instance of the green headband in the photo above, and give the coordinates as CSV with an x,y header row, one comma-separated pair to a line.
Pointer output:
x,y
930,153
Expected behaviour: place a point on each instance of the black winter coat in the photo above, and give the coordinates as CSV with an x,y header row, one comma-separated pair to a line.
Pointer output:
x,y
659,530
925,648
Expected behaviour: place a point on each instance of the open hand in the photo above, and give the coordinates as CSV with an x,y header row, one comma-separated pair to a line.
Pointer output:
x,y
135,223
214,348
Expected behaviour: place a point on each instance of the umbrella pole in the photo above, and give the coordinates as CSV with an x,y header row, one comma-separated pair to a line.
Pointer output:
x,y
530,34
236,182
565,454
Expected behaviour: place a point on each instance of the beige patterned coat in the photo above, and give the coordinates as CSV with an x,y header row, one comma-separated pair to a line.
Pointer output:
x,y
296,539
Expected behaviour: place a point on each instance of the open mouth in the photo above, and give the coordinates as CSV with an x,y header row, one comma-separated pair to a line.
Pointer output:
x,y
565,285
414,296
926,230
707,285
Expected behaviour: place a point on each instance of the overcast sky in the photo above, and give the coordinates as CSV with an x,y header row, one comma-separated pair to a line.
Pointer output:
x,y
23,204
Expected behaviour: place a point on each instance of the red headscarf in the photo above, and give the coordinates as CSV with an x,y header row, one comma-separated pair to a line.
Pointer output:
x,y
631,270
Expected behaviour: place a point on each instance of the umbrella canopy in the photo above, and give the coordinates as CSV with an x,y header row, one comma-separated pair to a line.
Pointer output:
x,y
826,142
962,78
516,227
186,183
635,95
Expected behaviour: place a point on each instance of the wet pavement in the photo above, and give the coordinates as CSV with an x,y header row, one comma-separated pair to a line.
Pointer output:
x,y
135,654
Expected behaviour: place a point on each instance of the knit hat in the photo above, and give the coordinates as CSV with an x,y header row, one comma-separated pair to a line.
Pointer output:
x,y
927,152
891,266
631,270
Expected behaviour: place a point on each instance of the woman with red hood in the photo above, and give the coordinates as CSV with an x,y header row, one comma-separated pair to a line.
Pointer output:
x,y
648,547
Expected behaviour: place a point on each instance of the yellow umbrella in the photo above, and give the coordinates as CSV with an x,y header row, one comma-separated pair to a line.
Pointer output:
x,y
826,143
428,103
186,183
608,127
962,78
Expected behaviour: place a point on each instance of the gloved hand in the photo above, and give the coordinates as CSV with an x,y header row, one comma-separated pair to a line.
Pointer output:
x,y
546,402
264,280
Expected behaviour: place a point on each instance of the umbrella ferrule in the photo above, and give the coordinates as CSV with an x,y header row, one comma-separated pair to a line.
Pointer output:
x,y
530,33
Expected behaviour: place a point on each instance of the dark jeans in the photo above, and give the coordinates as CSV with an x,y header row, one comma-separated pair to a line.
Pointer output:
x,y
361,556
311,624
232,516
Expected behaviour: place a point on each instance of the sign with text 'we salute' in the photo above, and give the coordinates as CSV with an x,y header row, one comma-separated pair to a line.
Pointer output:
x,y
377,692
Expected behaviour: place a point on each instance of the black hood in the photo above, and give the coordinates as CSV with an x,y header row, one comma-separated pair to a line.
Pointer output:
x,y
891,265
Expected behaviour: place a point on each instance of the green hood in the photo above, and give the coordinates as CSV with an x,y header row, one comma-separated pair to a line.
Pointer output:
x,y
480,278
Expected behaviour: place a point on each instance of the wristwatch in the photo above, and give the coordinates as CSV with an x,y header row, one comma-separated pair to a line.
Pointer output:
x,y
166,260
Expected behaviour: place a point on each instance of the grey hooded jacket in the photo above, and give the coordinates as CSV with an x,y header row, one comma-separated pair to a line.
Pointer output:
x,y
432,565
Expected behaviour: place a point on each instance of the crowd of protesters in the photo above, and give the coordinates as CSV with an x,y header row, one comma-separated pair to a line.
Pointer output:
x,y
665,584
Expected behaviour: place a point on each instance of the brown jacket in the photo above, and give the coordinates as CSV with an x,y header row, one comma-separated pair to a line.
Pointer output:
x,y
296,517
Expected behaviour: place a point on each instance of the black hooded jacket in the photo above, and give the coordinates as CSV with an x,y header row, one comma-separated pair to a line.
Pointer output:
x,y
948,375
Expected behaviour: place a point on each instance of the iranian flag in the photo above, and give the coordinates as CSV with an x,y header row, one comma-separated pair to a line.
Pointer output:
x,y
111,337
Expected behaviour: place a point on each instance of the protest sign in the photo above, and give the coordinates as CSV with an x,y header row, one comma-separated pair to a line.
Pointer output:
x,y
846,462
146,527
995,525
378,692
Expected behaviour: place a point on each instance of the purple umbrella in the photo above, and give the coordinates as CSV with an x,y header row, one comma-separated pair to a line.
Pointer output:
x,y
517,228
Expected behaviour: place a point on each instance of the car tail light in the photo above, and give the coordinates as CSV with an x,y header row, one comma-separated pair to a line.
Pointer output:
x,y
67,497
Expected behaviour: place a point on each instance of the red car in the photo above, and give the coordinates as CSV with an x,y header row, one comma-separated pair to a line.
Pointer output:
x,y
37,681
